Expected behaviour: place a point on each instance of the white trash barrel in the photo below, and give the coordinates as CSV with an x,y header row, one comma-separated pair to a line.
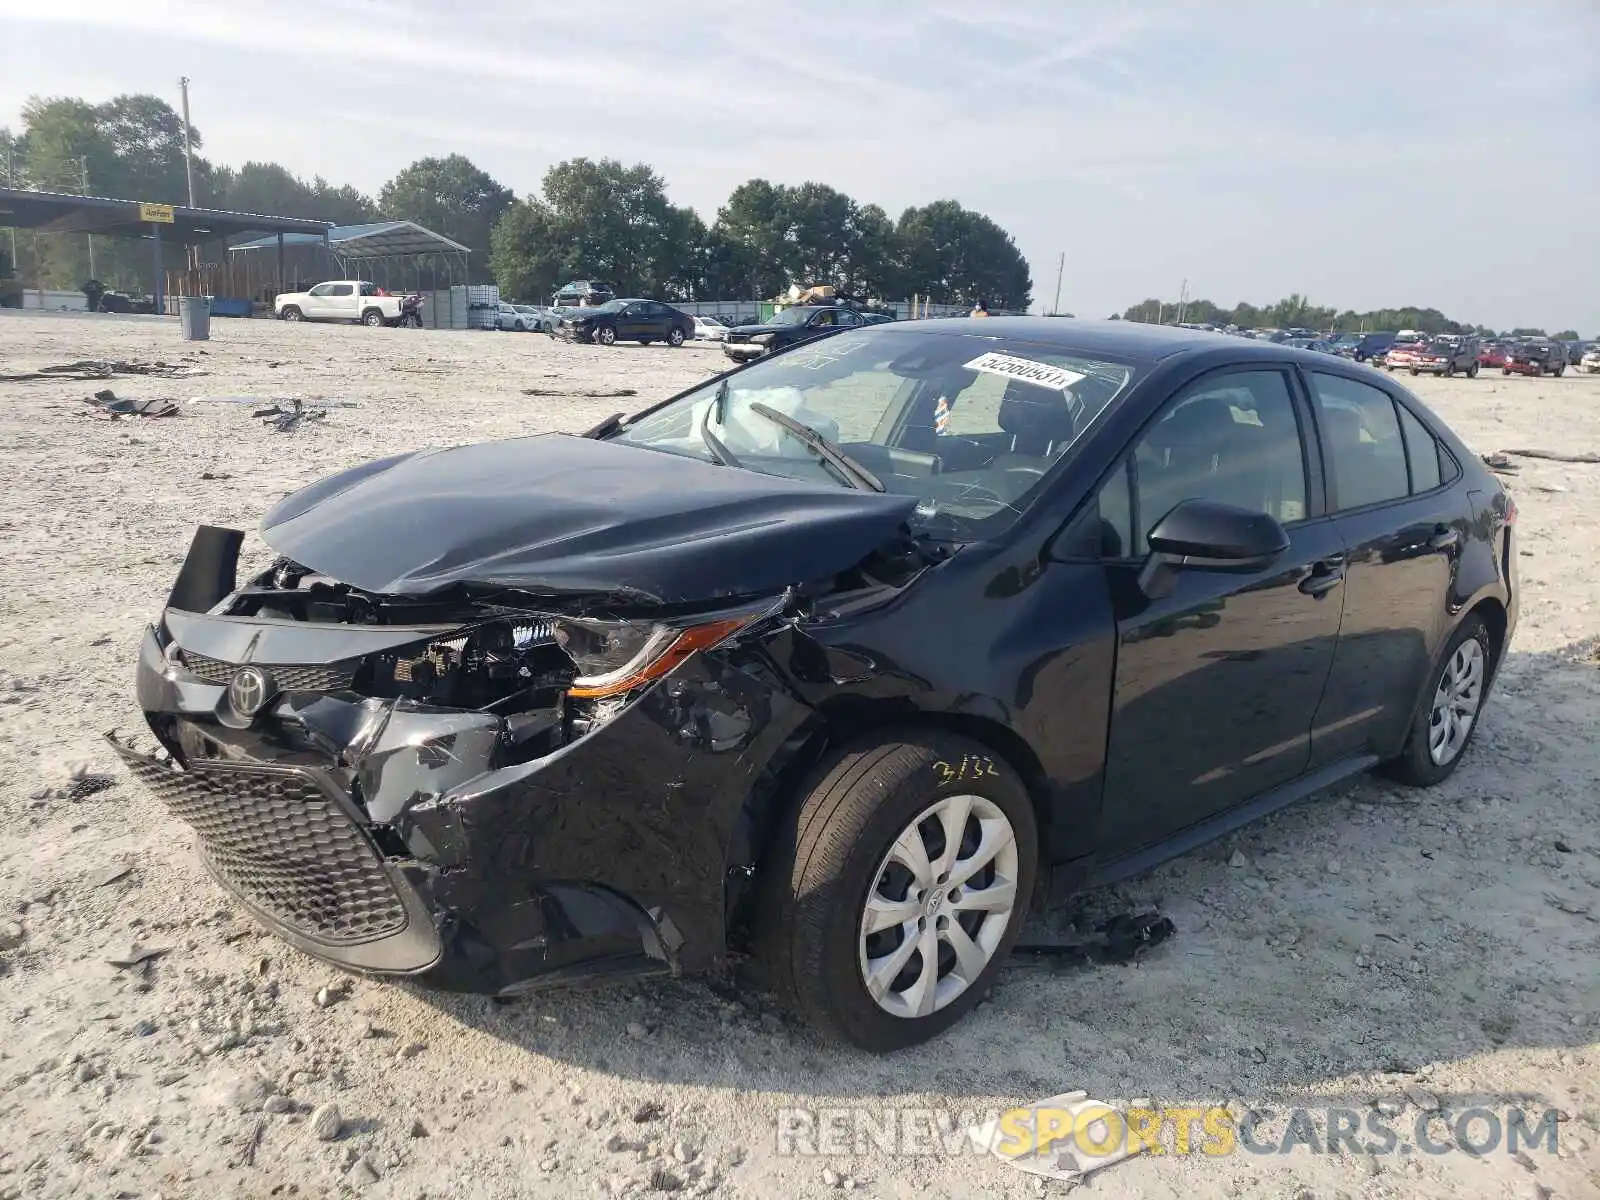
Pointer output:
x,y
194,315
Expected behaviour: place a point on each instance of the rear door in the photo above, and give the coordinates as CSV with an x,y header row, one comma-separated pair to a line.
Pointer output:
x,y
1217,683
1403,524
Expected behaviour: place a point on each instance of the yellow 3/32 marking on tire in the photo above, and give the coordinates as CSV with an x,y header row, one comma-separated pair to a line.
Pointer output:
x,y
971,766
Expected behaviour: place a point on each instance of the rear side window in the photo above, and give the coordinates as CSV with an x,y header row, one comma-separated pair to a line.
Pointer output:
x,y
1362,431
1422,451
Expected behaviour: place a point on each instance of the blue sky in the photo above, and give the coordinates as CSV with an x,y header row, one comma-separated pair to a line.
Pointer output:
x,y
1366,154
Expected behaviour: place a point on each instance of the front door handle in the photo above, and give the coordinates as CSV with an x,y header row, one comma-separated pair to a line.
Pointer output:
x,y
1444,538
1326,574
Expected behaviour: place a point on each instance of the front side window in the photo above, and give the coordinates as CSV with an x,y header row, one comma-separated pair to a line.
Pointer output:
x,y
341,289
1233,439
322,289
1362,433
969,425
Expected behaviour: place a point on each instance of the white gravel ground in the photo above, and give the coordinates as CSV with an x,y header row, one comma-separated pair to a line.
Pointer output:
x,y
1429,948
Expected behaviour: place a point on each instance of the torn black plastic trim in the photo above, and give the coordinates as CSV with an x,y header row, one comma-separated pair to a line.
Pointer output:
x,y
210,570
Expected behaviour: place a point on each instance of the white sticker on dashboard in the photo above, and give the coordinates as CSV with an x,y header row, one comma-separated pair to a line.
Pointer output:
x,y
1025,369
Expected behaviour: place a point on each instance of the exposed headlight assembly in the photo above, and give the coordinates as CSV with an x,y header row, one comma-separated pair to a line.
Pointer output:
x,y
614,657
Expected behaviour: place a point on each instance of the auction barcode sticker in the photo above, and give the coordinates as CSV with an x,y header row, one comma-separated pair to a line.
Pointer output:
x,y
1026,370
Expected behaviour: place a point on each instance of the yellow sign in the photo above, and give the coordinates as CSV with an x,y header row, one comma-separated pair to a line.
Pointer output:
x,y
161,214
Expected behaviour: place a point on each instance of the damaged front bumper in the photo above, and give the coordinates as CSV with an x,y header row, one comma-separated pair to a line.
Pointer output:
x,y
400,838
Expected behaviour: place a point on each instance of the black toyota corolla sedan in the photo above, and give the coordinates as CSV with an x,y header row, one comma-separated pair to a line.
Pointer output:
x,y
843,660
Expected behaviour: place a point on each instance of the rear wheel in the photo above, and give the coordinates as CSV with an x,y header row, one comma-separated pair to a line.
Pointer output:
x,y
291,313
1561,369
1414,372
372,317
1448,715
896,889
1505,370
1472,371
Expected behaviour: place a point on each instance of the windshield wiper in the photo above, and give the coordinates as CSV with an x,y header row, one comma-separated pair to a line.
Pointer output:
x,y
720,454
857,475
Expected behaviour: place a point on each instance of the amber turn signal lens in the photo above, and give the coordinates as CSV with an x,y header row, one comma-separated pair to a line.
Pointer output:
x,y
696,638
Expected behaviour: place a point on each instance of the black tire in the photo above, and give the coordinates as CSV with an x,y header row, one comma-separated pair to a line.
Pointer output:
x,y
291,313
1449,370
1414,372
1415,765
1472,371
606,336
675,337
372,317
826,859
1505,370
1560,371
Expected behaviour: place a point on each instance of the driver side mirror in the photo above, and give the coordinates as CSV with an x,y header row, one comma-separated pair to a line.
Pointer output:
x,y
1203,535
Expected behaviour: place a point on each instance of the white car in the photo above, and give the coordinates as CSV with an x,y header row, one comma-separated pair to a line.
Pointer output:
x,y
1589,364
340,300
516,318
709,329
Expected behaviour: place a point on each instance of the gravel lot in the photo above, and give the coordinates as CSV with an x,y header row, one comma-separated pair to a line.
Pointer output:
x,y
1374,945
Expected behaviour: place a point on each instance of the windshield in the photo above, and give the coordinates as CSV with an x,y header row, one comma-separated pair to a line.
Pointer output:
x,y
968,424
610,306
790,316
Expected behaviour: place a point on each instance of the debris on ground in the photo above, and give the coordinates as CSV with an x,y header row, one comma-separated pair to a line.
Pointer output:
x,y
309,401
110,875
85,786
93,368
606,394
1499,462
1078,1123
286,420
1552,455
135,955
1119,939
109,406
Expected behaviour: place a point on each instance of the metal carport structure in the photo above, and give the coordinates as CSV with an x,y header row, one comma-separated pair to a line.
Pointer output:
x,y
161,224
399,255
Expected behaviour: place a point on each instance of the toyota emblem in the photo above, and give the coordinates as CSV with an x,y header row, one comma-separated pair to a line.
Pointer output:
x,y
249,689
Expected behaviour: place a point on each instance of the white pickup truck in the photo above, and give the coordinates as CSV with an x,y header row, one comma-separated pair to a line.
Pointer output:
x,y
340,300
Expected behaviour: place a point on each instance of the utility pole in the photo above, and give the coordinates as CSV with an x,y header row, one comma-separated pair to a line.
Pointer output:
x,y
83,189
1061,265
1183,300
188,161
11,182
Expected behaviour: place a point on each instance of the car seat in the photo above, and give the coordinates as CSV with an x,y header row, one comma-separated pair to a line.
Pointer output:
x,y
1040,424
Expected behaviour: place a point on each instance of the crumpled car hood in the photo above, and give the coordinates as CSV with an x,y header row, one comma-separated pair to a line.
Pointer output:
x,y
562,514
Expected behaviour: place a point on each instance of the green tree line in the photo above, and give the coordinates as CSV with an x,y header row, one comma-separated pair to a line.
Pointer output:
x,y
1297,312
590,219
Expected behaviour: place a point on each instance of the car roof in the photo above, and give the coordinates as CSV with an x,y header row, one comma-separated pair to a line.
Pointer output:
x,y
1124,339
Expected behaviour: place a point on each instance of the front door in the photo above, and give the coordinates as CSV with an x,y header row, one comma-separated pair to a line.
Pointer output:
x,y
1218,682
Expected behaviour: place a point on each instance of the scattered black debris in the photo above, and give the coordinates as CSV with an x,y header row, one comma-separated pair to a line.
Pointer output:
x,y
606,394
1563,846
91,368
218,475
310,401
135,955
1552,455
1499,462
647,1112
88,785
288,419
109,406
1119,939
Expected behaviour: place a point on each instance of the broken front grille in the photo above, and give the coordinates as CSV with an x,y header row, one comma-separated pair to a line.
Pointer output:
x,y
335,677
275,837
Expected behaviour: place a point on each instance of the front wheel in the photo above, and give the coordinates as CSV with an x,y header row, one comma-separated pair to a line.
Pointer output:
x,y
897,887
675,337
1505,370
1448,715
291,313
606,336
1560,371
1472,371
1414,372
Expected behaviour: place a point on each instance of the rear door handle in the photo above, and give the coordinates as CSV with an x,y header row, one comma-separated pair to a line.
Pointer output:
x,y
1444,538
1326,574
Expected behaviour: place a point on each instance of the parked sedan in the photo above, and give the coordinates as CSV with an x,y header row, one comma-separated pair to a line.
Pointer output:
x,y
1492,354
642,321
709,329
1589,364
1446,356
847,660
790,327
1537,357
